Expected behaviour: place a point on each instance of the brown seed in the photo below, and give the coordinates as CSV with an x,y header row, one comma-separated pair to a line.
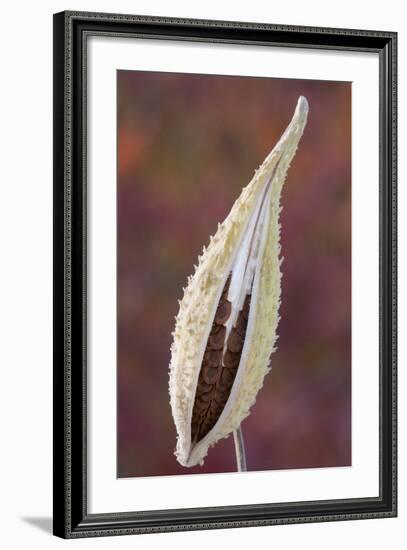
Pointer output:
x,y
223,312
241,325
206,397
210,375
203,387
215,328
246,307
227,375
217,340
235,341
231,360
226,287
201,403
212,357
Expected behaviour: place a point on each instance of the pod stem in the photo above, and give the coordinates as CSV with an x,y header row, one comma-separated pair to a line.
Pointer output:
x,y
239,450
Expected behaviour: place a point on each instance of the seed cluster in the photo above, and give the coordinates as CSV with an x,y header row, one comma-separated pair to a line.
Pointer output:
x,y
219,366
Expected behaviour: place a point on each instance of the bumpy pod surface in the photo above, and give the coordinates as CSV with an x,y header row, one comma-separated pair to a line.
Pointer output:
x,y
226,326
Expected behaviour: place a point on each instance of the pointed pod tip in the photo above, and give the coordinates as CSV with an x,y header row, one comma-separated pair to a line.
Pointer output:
x,y
301,110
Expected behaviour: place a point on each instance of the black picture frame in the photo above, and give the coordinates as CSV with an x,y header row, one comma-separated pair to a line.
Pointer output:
x,y
71,518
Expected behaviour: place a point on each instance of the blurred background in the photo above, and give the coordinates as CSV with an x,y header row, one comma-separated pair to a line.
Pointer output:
x,y
187,144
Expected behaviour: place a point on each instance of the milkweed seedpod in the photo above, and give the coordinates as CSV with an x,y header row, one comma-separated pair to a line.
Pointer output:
x,y
226,326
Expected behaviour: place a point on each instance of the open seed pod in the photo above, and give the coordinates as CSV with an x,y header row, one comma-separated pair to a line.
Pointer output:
x,y
226,326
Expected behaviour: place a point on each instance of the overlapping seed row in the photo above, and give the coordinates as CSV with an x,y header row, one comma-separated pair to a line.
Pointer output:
x,y
219,367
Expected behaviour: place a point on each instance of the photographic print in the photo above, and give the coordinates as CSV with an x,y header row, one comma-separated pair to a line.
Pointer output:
x,y
233,274
225,274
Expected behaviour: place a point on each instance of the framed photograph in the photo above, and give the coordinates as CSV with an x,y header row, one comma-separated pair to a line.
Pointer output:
x,y
224,274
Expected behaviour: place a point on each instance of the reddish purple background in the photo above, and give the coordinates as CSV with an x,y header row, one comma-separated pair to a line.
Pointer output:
x,y
187,144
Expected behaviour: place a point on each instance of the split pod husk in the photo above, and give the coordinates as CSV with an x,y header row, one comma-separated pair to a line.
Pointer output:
x,y
226,326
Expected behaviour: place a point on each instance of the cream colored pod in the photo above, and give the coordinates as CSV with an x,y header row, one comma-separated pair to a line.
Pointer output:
x,y
225,329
